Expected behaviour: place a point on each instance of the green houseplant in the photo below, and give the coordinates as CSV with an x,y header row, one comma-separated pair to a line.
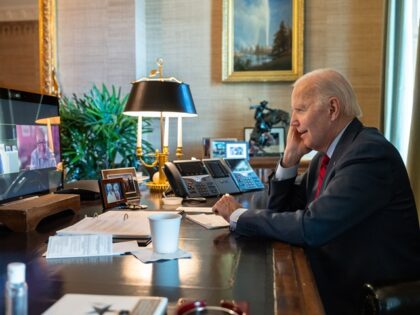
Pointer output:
x,y
96,135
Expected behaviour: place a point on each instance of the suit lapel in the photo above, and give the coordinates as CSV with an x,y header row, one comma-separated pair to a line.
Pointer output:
x,y
347,138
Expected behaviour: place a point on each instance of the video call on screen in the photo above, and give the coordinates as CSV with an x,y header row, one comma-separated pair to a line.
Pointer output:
x,y
29,151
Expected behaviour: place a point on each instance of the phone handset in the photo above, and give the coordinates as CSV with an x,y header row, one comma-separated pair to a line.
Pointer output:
x,y
175,179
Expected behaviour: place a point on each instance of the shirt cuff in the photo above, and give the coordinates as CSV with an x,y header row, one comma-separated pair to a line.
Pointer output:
x,y
234,217
283,173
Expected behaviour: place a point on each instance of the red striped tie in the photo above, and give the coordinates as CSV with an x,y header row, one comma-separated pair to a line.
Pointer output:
x,y
321,175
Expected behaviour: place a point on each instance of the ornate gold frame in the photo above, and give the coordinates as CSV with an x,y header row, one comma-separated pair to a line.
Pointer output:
x,y
47,47
229,75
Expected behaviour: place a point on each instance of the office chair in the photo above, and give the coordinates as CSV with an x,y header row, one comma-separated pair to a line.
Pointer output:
x,y
401,298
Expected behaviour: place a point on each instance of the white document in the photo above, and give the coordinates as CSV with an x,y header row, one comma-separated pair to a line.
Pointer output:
x,y
61,252
79,246
195,209
209,221
120,224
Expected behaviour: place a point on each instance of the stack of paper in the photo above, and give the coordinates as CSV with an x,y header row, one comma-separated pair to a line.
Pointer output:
x,y
209,221
69,246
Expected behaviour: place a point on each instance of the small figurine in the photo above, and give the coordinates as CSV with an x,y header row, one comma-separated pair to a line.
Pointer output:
x,y
265,119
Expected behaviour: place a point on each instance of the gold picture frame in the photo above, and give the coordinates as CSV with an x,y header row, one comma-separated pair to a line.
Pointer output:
x,y
47,47
254,62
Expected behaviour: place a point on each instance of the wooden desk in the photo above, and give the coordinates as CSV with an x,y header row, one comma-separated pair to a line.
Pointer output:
x,y
273,277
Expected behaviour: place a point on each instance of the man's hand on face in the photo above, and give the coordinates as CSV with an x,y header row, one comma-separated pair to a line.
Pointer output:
x,y
295,148
225,206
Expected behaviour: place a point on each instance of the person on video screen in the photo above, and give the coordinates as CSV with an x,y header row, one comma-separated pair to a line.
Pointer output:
x,y
41,156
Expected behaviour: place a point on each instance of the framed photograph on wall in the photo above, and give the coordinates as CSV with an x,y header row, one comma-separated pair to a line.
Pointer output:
x,y
268,144
268,47
128,174
112,192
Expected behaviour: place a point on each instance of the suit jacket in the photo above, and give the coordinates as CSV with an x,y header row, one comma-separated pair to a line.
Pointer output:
x,y
362,228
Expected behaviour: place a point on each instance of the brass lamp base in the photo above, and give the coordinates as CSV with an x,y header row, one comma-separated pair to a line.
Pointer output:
x,y
157,187
160,183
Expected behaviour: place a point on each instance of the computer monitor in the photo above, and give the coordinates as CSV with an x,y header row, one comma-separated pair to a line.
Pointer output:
x,y
30,159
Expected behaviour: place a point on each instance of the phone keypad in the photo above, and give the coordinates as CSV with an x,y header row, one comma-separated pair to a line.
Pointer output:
x,y
249,182
204,188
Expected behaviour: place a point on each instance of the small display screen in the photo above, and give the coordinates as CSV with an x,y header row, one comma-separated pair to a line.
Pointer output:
x,y
217,149
216,169
237,150
229,149
238,165
191,168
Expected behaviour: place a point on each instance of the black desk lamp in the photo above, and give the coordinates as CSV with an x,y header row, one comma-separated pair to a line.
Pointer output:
x,y
163,98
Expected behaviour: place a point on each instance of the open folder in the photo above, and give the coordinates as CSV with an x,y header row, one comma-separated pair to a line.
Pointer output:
x,y
121,224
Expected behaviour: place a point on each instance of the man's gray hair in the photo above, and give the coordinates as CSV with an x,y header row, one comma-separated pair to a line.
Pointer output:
x,y
328,83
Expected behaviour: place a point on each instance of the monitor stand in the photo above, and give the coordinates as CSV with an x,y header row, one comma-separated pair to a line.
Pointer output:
x,y
24,215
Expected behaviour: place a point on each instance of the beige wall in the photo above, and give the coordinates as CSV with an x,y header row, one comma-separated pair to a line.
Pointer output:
x,y
19,55
96,44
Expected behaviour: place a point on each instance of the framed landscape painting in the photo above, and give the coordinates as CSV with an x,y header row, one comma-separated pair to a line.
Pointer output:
x,y
262,40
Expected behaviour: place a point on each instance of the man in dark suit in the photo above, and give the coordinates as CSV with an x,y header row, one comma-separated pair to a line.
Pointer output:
x,y
353,210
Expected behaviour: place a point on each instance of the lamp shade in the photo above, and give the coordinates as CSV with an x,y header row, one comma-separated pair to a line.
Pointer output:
x,y
153,98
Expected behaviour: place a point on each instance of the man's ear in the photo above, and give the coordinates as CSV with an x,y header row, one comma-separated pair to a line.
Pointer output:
x,y
334,108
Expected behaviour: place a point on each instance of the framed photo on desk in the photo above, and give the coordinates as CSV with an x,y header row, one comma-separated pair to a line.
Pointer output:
x,y
269,143
130,184
112,192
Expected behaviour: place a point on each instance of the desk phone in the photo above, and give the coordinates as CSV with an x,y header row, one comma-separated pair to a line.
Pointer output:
x,y
245,177
190,178
211,177
222,176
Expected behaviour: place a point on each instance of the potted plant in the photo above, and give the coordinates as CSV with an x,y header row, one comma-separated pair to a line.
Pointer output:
x,y
96,135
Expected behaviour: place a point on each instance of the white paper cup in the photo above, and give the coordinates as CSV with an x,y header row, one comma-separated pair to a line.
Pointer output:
x,y
164,228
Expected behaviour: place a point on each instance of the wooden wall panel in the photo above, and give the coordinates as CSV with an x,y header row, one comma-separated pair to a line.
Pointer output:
x,y
19,55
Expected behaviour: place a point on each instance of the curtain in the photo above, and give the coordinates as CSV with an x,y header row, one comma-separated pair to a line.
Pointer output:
x,y
413,160
399,73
